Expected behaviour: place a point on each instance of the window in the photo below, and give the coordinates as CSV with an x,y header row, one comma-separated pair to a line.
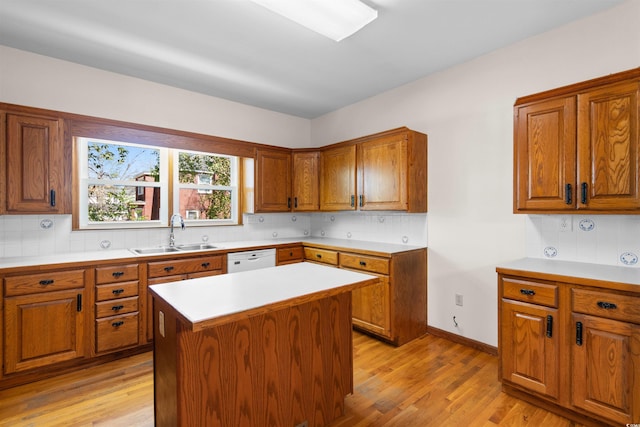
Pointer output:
x,y
207,184
127,185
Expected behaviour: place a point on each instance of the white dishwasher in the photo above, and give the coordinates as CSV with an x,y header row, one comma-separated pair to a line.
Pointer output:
x,y
250,260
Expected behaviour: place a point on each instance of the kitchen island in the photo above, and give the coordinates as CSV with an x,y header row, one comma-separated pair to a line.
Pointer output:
x,y
262,347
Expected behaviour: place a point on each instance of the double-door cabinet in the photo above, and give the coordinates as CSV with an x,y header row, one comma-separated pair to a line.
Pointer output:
x,y
572,347
577,148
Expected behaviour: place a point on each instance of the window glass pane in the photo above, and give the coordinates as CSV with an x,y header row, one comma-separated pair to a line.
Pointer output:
x,y
121,203
196,205
199,168
113,161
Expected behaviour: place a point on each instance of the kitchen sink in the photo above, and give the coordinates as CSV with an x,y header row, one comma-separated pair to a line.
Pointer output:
x,y
195,247
171,249
155,251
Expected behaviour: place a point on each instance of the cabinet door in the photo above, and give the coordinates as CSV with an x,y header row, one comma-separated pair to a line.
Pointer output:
x,y
44,328
529,347
338,178
370,308
35,156
545,156
273,181
609,148
606,368
305,181
382,174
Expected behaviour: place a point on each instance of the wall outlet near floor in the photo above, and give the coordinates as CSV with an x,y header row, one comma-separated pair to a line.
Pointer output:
x,y
566,223
459,299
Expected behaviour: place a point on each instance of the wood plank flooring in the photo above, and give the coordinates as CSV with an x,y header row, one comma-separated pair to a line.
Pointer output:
x,y
427,382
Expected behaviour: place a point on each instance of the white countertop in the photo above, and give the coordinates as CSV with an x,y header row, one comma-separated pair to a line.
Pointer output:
x,y
606,273
114,254
209,298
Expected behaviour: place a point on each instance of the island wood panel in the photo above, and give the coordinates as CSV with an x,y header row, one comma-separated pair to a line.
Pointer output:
x,y
278,368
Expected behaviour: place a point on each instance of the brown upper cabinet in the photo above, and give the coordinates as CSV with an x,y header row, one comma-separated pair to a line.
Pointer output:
x,y
305,181
35,164
577,148
273,180
385,171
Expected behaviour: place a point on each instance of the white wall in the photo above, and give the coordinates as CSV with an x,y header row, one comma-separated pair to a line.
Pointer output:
x,y
43,82
467,113
465,110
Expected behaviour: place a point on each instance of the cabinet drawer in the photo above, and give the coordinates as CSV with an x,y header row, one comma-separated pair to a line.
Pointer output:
x,y
365,263
117,306
528,291
321,255
116,273
185,266
117,332
287,255
116,290
43,282
606,304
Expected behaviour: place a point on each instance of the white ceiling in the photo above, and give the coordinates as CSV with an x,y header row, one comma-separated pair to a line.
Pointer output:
x,y
237,50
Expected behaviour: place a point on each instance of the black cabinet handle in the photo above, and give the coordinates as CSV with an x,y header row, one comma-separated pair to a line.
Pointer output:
x,y
46,282
583,193
79,303
579,333
117,291
353,200
318,256
291,253
295,202
52,198
568,196
205,264
117,324
549,326
607,305
289,202
117,307
361,198
528,292
117,273
168,268
363,263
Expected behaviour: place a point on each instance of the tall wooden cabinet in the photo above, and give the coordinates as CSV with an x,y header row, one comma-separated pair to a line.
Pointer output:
x,y
577,148
34,157
273,181
306,189
571,345
385,171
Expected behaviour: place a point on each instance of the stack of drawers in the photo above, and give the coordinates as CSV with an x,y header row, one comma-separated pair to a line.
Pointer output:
x,y
117,307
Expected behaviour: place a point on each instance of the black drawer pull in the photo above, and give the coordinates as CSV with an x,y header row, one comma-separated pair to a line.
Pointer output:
x,y
549,326
363,263
290,253
79,303
46,282
529,292
583,193
318,256
117,273
52,198
568,195
117,307
168,268
607,305
205,264
579,333
295,202
117,291
117,324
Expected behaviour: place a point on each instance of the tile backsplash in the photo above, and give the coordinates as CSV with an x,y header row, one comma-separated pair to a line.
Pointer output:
x,y
28,235
600,239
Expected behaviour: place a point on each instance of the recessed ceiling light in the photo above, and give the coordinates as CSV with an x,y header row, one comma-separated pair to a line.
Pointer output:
x,y
336,19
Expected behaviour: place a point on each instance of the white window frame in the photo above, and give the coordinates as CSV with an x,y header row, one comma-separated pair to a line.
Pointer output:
x,y
207,188
82,145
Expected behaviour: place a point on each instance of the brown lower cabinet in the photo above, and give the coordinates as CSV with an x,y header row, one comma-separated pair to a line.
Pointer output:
x,y
394,309
573,348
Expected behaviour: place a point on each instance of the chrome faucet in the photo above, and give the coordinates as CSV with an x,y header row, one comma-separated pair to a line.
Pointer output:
x,y
172,239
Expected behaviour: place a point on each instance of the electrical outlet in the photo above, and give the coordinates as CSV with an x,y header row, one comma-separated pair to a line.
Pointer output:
x,y
459,299
566,223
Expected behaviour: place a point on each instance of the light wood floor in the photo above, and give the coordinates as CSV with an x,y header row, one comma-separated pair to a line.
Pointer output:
x,y
427,382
